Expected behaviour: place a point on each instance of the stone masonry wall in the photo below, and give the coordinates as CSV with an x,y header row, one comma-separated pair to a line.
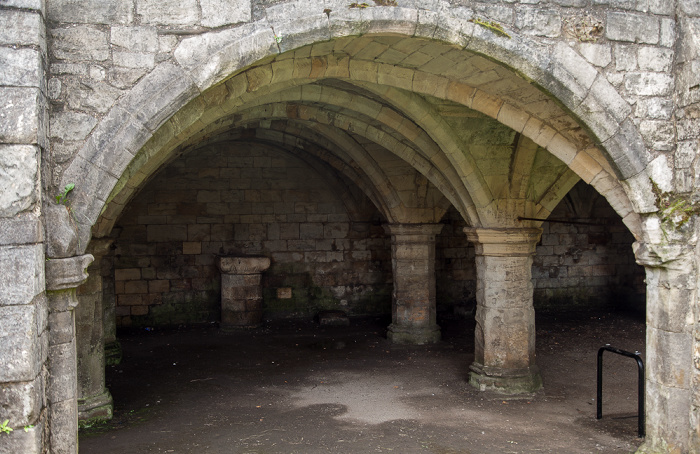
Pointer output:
x,y
23,304
241,199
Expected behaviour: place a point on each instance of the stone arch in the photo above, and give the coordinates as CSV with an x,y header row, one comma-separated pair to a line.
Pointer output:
x,y
207,60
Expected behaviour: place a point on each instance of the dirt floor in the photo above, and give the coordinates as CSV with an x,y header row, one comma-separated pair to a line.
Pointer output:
x,y
296,387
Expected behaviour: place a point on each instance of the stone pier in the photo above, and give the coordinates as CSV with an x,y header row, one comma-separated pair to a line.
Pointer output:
x,y
504,357
413,299
241,293
94,400
63,276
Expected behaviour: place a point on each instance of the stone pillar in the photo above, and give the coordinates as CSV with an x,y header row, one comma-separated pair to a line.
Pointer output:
x,y
672,366
413,299
63,276
113,349
504,357
94,400
241,293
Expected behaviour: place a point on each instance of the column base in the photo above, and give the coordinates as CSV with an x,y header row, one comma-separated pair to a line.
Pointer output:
x,y
113,353
95,409
525,381
229,329
413,335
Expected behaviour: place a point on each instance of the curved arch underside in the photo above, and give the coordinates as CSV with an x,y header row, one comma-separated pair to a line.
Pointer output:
x,y
417,125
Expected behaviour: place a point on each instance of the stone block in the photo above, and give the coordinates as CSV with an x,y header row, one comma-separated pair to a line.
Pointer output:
x,y
635,28
29,441
19,182
667,415
90,12
68,125
141,60
649,84
216,13
64,421
597,54
669,358
574,72
538,22
21,67
67,273
168,12
655,59
20,120
21,274
24,28
135,38
22,401
22,229
20,347
80,43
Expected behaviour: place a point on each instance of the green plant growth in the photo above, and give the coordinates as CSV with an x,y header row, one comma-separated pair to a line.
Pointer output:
x,y
4,428
359,5
62,198
490,25
30,426
676,210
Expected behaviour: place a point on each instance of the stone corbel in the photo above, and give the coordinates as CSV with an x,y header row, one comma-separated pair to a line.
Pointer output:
x,y
67,273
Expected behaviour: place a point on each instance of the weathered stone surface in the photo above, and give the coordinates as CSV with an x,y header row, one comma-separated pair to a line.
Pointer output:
x,y
21,67
66,273
22,229
135,39
62,237
72,125
21,28
20,349
597,54
64,423
169,12
634,28
627,150
80,43
649,84
90,12
22,401
20,117
216,13
19,181
29,441
539,22
21,274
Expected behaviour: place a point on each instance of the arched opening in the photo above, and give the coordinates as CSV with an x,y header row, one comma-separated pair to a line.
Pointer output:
x,y
400,143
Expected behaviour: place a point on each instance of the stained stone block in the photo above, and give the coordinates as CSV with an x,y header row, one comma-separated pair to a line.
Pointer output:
x,y
20,349
21,274
24,441
80,43
90,12
135,39
635,28
19,122
168,12
216,13
21,67
19,185
22,401
63,383
21,28
69,125
64,415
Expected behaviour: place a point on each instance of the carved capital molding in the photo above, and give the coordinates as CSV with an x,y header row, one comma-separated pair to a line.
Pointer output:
x,y
504,242
67,273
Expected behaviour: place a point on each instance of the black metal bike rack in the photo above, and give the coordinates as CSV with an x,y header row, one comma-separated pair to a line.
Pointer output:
x,y
640,384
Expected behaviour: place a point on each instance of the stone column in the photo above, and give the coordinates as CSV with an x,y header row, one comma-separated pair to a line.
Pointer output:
x,y
504,357
94,400
113,349
63,276
241,293
672,366
413,299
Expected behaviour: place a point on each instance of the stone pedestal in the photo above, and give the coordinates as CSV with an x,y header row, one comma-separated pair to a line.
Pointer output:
x,y
504,357
62,277
241,293
413,298
94,400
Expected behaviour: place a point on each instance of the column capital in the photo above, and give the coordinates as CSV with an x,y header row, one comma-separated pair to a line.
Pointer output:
x,y
99,247
504,242
62,274
677,256
413,229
